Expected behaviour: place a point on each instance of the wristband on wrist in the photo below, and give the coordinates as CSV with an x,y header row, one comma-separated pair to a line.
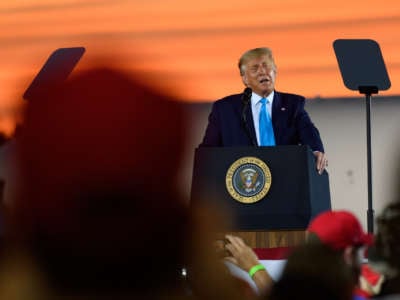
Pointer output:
x,y
254,269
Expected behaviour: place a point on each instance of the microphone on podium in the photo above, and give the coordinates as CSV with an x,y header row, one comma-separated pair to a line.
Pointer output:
x,y
246,97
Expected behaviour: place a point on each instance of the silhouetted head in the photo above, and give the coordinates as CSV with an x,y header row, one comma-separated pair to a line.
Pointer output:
x,y
314,271
385,253
99,156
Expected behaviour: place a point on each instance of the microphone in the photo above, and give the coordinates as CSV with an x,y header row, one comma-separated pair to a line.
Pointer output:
x,y
246,97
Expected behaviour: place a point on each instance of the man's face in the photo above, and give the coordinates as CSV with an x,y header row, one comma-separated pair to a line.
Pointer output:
x,y
260,75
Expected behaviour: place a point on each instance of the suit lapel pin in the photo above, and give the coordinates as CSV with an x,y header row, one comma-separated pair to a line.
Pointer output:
x,y
283,109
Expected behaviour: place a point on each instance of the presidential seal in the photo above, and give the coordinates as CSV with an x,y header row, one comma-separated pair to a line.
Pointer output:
x,y
248,179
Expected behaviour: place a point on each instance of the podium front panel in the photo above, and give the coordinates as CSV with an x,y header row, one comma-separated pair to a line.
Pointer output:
x,y
297,192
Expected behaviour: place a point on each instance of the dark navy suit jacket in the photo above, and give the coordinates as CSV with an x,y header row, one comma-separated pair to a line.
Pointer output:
x,y
292,124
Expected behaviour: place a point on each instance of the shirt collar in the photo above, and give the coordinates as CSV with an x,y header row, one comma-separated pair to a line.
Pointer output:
x,y
255,98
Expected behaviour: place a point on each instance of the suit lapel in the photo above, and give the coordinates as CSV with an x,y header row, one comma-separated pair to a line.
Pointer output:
x,y
279,116
249,118
250,122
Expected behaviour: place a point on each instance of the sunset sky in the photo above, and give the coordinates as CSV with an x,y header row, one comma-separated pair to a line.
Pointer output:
x,y
191,48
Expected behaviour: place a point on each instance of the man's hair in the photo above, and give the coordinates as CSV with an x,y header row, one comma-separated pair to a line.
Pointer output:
x,y
313,240
254,53
314,271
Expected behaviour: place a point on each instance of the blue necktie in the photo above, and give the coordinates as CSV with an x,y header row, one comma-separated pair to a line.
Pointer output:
x,y
267,137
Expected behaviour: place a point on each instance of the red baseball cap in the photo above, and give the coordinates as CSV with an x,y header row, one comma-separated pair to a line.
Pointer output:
x,y
339,229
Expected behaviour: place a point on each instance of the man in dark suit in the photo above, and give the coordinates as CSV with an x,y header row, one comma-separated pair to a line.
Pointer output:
x,y
236,119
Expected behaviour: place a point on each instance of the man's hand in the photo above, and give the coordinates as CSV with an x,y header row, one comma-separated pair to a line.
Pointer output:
x,y
242,255
245,258
321,161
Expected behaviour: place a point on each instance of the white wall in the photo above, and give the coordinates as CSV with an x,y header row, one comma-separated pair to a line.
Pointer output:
x,y
342,123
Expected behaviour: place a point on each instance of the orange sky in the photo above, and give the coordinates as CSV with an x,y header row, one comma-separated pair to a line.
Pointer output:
x,y
191,47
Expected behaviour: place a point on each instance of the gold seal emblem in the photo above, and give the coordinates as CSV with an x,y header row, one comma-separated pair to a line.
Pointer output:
x,y
248,179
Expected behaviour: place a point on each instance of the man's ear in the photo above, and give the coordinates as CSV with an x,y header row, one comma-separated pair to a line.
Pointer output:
x,y
244,79
348,255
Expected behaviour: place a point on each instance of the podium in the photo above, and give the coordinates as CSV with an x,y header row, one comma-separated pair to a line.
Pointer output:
x,y
293,191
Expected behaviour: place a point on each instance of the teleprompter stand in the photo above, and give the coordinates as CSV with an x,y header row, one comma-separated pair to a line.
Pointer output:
x,y
363,69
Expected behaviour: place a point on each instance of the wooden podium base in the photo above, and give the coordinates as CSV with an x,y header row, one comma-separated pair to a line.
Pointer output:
x,y
272,239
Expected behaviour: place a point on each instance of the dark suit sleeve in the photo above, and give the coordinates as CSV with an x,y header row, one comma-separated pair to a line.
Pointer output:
x,y
308,133
212,136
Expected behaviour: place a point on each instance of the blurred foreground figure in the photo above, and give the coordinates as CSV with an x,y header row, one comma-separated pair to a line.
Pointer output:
x,y
341,231
314,272
384,255
99,213
98,159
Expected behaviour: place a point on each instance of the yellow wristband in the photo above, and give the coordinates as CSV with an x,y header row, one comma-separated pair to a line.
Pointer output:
x,y
255,269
